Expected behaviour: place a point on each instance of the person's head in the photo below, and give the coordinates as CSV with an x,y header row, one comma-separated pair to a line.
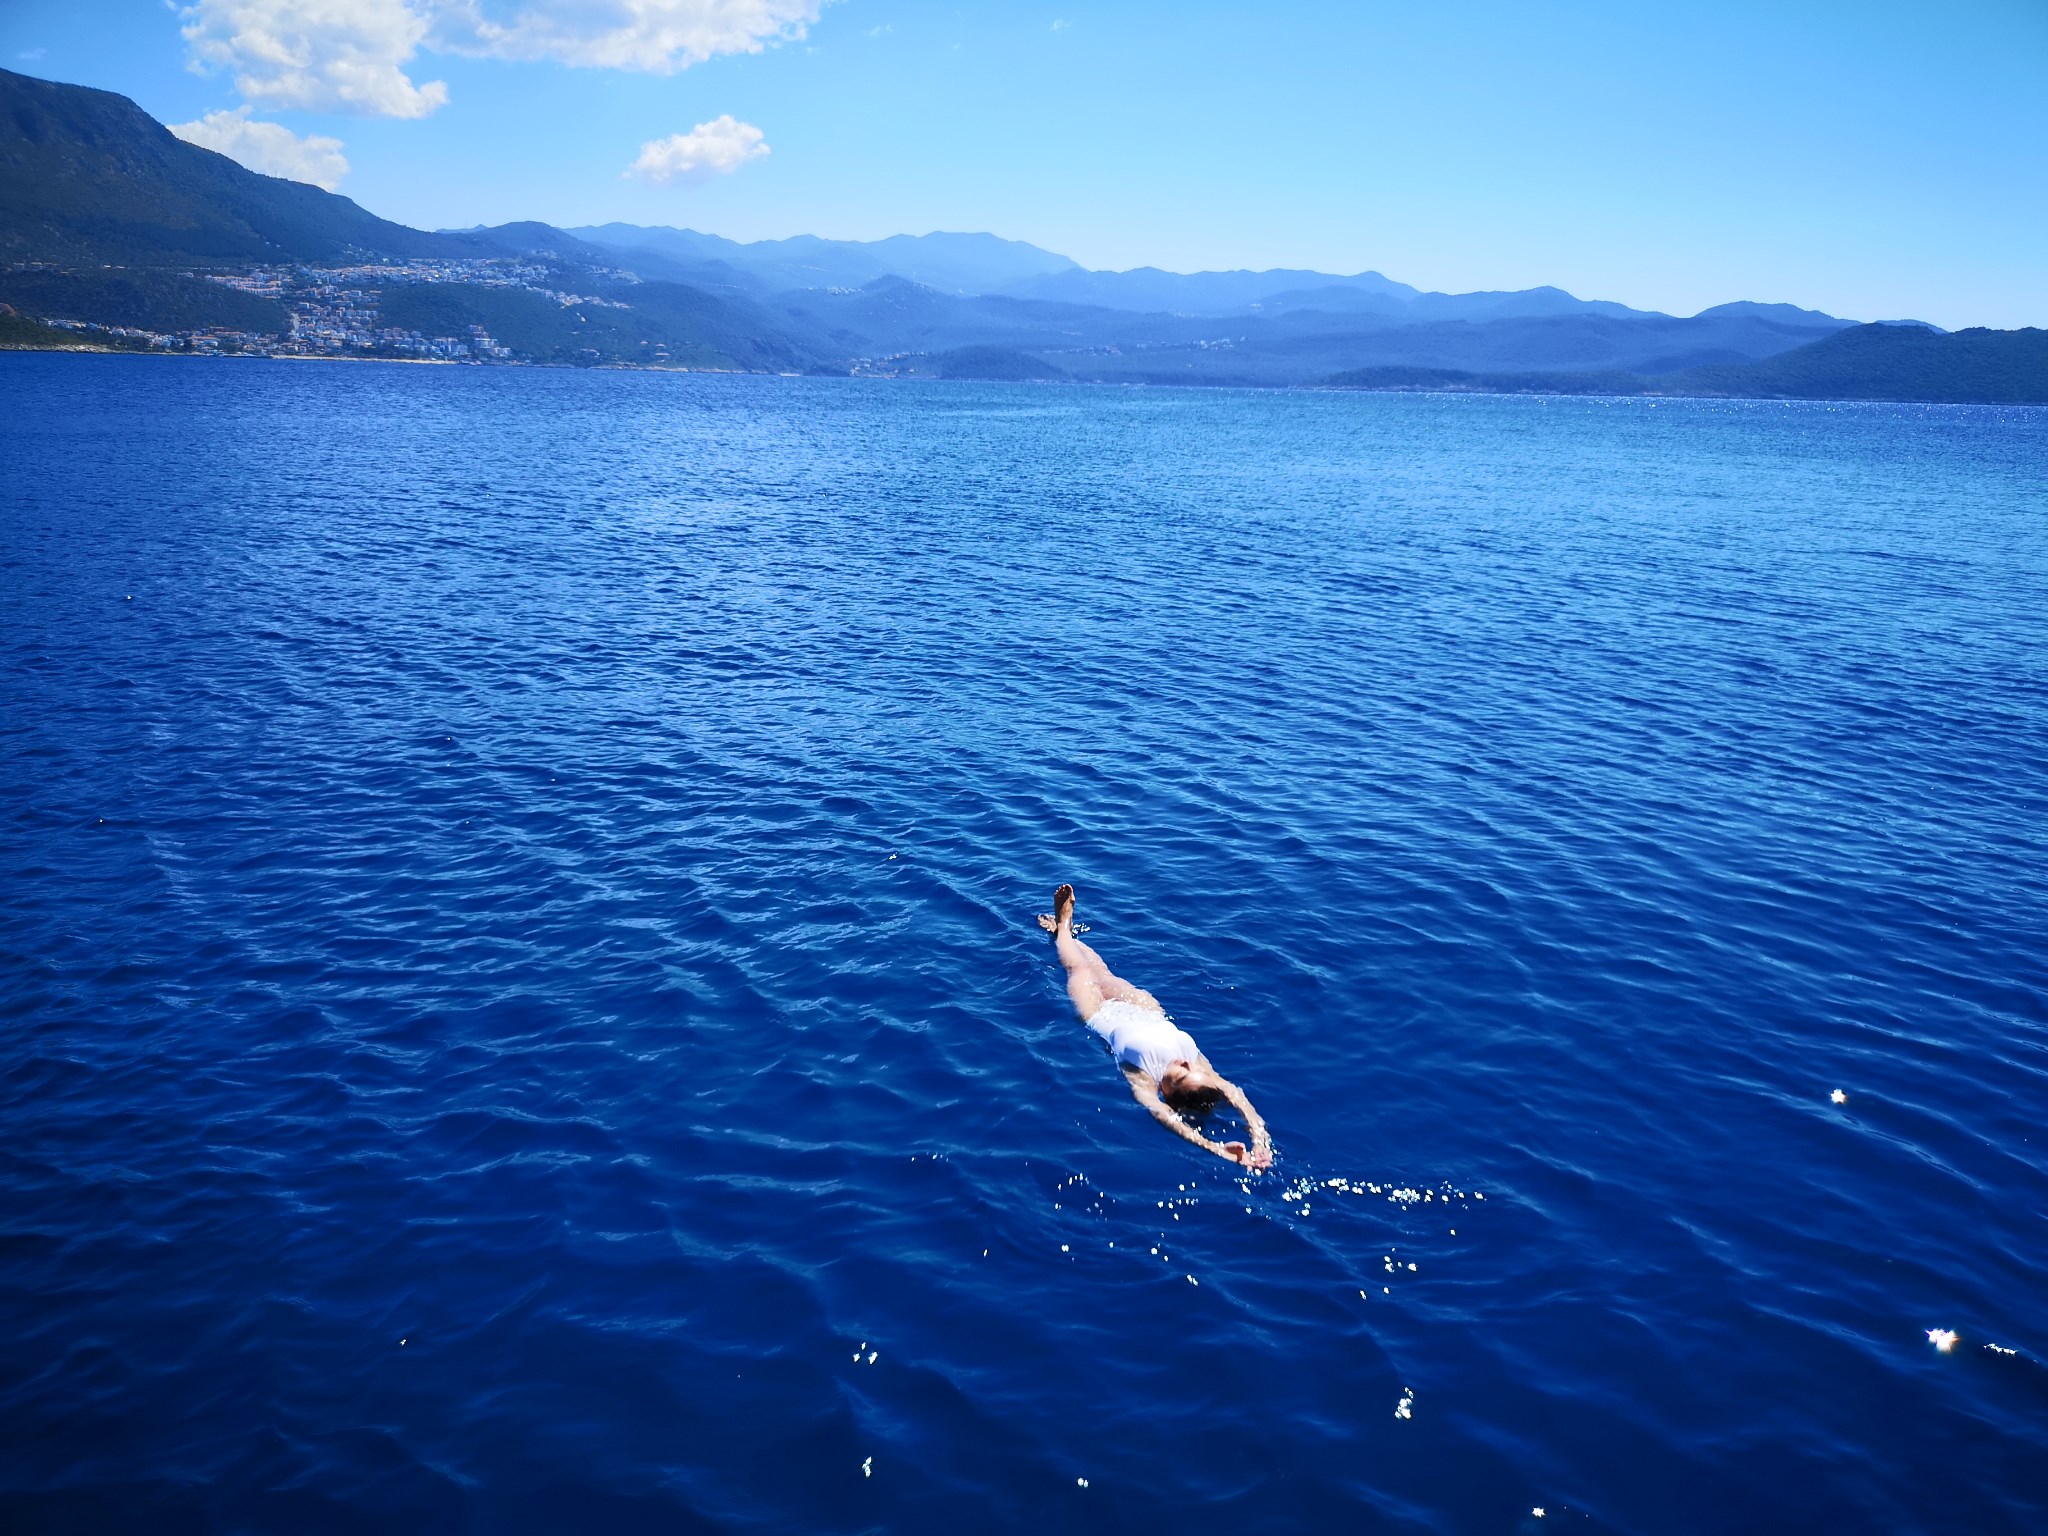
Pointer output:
x,y
1186,1086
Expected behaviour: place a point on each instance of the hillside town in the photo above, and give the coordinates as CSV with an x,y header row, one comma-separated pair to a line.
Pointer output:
x,y
334,311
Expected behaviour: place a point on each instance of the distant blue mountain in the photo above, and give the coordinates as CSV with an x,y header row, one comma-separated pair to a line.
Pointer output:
x,y
1792,314
983,264
1783,314
1150,290
949,263
1283,291
1521,304
975,265
1277,345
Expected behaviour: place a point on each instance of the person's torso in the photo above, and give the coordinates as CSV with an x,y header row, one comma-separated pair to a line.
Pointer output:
x,y
1140,1038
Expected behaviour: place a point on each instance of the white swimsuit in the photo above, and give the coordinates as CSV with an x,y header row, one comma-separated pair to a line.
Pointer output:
x,y
1140,1038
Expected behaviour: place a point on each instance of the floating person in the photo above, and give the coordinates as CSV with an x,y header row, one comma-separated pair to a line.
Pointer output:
x,y
1168,1073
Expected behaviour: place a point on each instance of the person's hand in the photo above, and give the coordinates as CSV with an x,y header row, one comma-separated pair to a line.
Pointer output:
x,y
1262,1157
1234,1150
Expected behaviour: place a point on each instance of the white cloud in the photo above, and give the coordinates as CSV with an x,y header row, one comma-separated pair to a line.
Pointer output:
x,y
270,148
652,36
354,55
319,55
716,148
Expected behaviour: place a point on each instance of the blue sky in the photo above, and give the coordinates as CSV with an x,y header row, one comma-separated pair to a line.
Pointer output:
x,y
1874,160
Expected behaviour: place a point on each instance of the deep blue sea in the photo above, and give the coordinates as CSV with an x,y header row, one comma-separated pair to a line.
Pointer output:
x,y
522,1010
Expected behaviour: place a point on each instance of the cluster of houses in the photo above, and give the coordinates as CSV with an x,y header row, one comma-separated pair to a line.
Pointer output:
x,y
319,339
132,333
333,311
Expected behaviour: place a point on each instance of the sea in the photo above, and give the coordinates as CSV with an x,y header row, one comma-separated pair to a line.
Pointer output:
x,y
521,1008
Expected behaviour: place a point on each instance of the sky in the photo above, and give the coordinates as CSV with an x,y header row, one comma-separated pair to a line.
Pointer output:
x,y
1875,160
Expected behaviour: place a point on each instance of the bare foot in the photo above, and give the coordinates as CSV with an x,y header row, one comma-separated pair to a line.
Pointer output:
x,y
1062,910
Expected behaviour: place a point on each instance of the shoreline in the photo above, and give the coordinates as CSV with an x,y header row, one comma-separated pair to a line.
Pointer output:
x,y
242,357
1451,391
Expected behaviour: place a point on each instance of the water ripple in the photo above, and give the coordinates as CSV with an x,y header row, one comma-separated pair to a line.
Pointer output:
x,y
523,1011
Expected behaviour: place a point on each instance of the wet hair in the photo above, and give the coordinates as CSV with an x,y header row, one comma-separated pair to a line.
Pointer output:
x,y
1182,1096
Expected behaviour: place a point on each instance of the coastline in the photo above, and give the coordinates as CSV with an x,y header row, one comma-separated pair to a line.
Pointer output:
x,y
241,357
1439,391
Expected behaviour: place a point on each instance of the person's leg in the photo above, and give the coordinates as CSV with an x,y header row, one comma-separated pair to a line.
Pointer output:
x,y
1084,982
1086,974
1090,981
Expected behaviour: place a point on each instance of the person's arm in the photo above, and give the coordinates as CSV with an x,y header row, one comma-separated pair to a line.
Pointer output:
x,y
1262,1144
1146,1092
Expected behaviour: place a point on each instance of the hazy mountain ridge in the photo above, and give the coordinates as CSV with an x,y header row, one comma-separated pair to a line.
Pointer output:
x,y
1287,346
950,263
983,265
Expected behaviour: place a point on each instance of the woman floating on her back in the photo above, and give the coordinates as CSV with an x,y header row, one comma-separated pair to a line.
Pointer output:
x,y
1167,1070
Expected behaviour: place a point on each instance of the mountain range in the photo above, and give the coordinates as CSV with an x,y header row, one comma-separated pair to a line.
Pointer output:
x,y
109,220
985,266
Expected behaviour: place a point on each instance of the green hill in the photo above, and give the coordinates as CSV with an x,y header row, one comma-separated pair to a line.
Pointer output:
x,y
1892,362
18,334
1870,362
87,177
157,301
1000,363
732,328
664,322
